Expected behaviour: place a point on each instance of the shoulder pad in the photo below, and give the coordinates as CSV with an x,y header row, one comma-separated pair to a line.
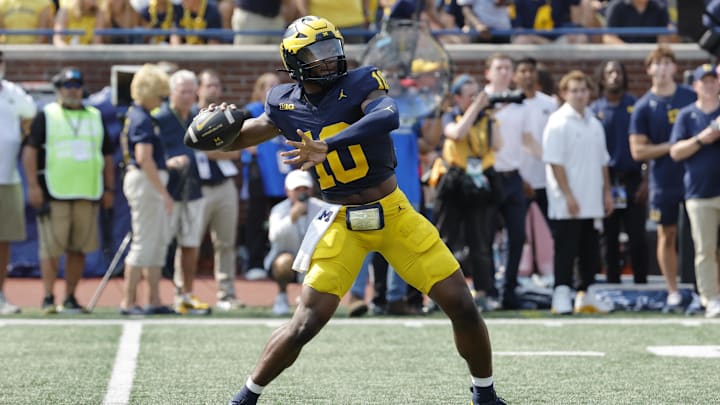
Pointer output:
x,y
366,79
278,94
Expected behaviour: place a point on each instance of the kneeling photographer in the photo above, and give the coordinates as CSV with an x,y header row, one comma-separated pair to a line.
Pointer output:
x,y
289,221
468,192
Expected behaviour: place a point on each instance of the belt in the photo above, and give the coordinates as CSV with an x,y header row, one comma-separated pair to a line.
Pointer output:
x,y
214,183
509,173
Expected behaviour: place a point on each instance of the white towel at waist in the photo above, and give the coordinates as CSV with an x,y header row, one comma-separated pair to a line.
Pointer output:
x,y
319,225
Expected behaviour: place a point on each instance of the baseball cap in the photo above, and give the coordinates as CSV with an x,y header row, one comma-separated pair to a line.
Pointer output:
x,y
459,82
704,70
68,74
298,178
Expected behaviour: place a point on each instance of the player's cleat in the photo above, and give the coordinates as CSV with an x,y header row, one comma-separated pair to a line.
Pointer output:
x,y
244,397
191,305
495,400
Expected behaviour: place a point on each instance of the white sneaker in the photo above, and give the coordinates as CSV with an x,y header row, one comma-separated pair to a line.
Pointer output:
x,y
673,303
561,301
228,304
713,309
256,274
281,305
589,303
7,308
674,299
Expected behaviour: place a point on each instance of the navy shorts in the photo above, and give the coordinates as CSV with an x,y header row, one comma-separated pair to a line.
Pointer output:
x,y
665,211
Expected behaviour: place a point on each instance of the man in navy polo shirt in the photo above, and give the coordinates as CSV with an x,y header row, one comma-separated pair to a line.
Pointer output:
x,y
650,126
635,13
629,188
694,142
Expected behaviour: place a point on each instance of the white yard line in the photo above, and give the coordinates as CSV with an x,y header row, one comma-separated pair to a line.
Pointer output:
x,y
123,373
552,354
407,322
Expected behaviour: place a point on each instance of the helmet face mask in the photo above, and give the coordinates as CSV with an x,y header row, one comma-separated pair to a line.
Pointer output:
x,y
312,51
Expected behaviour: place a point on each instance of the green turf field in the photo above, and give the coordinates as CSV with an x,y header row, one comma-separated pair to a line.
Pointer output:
x,y
70,360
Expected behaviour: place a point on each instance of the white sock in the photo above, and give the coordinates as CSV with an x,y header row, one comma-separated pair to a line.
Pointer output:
x,y
258,389
482,382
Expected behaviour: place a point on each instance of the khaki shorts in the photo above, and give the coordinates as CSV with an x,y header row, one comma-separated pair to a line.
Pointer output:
x,y
12,212
186,222
149,220
71,226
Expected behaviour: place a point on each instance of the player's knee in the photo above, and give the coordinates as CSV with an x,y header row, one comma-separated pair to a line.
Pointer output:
x,y
303,331
461,308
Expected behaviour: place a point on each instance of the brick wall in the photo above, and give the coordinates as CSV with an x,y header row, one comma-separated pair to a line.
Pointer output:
x,y
239,66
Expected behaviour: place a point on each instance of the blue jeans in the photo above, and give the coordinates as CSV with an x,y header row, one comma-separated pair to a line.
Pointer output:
x,y
396,286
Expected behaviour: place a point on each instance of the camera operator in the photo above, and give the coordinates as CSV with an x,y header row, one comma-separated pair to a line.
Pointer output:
x,y
289,220
512,124
470,144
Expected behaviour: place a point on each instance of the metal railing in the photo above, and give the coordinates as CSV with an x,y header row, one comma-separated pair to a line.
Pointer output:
x,y
229,34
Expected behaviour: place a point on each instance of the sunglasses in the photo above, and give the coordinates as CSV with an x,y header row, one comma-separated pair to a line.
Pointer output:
x,y
72,85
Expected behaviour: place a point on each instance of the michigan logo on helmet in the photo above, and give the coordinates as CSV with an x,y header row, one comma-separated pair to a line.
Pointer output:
x,y
312,51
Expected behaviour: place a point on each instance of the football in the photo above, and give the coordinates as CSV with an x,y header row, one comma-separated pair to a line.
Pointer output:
x,y
212,130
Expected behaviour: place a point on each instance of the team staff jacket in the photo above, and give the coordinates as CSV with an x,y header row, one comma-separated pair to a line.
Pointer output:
x,y
346,170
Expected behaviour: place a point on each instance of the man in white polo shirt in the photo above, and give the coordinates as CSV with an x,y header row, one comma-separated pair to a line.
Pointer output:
x,y
578,190
15,105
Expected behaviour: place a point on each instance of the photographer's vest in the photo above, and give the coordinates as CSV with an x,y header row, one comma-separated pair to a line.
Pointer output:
x,y
73,152
475,144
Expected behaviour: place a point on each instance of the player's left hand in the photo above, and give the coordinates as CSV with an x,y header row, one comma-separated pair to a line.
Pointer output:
x,y
307,152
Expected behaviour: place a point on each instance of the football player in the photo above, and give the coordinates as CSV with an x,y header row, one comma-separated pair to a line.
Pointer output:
x,y
340,121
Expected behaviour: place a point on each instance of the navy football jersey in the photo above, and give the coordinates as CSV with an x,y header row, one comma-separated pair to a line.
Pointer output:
x,y
654,117
350,169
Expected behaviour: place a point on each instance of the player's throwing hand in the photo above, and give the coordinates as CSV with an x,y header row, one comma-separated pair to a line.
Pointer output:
x,y
307,152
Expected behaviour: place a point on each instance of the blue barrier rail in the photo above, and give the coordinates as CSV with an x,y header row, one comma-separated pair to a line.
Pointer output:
x,y
216,32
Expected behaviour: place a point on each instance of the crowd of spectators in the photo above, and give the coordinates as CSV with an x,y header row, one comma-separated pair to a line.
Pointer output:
x,y
494,21
502,147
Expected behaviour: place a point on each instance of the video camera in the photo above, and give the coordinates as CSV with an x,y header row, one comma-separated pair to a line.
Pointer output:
x,y
514,96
